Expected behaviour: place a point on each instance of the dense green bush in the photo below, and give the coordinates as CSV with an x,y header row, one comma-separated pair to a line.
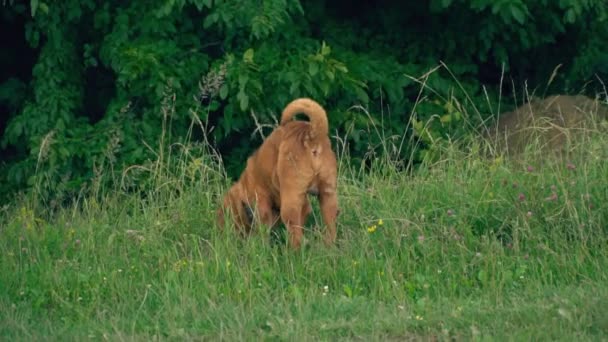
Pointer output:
x,y
115,82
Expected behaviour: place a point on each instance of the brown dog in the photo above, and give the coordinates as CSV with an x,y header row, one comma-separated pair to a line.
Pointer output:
x,y
295,160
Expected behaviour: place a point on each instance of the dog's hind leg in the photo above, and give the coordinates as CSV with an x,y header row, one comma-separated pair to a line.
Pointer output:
x,y
328,201
291,214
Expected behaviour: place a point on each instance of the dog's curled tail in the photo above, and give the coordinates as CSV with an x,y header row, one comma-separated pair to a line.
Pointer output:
x,y
316,114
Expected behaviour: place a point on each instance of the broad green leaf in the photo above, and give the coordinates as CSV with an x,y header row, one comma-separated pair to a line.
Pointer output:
x,y
325,88
248,56
362,95
44,8
325,49
496,7
348,291
518,14
244,102
482,276
223,91
243,79
210,20
313,68
293,88
34,7
342,68
570,16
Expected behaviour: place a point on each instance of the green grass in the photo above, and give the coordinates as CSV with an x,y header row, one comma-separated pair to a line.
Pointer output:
x,y
468,247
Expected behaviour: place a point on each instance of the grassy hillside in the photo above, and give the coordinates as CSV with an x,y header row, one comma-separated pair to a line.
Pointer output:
x,y
464,247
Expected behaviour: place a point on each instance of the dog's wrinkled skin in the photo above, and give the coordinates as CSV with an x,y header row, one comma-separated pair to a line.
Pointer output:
x,y
296,159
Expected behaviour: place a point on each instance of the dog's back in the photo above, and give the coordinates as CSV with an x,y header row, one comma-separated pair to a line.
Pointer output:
x,y
295,159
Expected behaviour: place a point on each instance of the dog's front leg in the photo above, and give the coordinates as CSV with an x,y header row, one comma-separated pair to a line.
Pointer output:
x,y
268,216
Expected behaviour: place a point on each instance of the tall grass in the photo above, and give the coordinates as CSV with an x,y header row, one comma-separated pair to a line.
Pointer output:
x,y
467,246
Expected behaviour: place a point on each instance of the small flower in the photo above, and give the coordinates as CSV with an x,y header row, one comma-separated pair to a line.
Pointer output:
x,y
529,168
521,197
77,242
380,222
529,214
372,229
421,238
478,254
450,212
571,166
552,198
419,318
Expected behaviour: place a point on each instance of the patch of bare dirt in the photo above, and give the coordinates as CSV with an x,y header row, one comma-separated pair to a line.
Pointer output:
x,y
551,123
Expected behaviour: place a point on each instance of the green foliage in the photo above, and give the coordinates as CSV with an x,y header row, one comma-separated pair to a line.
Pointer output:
x,y
113,80
455,253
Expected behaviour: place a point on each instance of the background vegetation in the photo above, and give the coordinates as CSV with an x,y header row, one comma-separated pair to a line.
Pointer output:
x,y
84,84
513,251
121,121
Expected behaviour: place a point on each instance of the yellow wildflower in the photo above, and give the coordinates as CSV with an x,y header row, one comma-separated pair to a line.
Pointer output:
x,y
372,229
